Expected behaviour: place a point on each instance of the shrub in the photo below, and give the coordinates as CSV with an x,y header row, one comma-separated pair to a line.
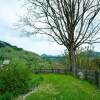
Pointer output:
x,y
14,80
97,62
6,96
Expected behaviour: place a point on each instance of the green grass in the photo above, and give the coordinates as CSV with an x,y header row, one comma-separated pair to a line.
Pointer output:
x,y
64,87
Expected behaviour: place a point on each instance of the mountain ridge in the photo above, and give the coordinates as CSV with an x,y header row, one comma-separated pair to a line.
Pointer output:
x,y
3,44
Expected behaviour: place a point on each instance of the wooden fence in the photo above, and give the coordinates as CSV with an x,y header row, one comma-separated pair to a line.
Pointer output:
x,y
53,71
90,75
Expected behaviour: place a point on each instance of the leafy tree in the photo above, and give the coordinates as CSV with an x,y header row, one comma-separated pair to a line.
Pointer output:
x,y
69,22
86,58
97,62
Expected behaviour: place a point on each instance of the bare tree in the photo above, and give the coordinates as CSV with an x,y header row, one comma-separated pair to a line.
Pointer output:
x,y
69,22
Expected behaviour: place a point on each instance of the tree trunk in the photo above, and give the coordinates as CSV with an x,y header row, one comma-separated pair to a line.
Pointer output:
x,y
72,58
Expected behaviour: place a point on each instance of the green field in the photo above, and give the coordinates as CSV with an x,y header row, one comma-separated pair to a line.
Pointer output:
x,y
64,87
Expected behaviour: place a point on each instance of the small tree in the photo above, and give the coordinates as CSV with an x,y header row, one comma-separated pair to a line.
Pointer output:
x,y
87,58
69,22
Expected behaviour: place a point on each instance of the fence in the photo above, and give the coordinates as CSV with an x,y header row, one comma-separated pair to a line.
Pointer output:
x,y
90,75
53,71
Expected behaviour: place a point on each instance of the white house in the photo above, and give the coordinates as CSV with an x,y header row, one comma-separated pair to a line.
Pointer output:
x,y
6,62
3,65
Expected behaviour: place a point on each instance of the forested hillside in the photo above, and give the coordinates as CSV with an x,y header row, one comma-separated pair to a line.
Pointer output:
x,y
18,56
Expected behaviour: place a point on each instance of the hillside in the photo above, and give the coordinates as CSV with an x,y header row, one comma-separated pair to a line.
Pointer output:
x,y
93,54
18,56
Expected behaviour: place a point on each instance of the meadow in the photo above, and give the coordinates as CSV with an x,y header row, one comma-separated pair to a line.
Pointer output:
x,y
63,87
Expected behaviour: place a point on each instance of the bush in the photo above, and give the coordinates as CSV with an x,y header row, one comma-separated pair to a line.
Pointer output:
x,y
14,80
6,96
97,62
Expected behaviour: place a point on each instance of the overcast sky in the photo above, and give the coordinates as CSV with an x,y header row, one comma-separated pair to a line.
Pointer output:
x,y
39,45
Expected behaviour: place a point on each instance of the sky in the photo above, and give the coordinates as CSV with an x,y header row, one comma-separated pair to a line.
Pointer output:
x,y
9,9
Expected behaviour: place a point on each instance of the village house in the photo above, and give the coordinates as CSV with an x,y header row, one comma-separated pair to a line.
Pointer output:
x,y
4,64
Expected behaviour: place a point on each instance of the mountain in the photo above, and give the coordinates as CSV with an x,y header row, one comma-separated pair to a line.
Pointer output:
x,y
93,54
50,56
20,57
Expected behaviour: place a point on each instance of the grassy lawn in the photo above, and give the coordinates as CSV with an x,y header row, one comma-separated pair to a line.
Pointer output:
x,y
64,87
